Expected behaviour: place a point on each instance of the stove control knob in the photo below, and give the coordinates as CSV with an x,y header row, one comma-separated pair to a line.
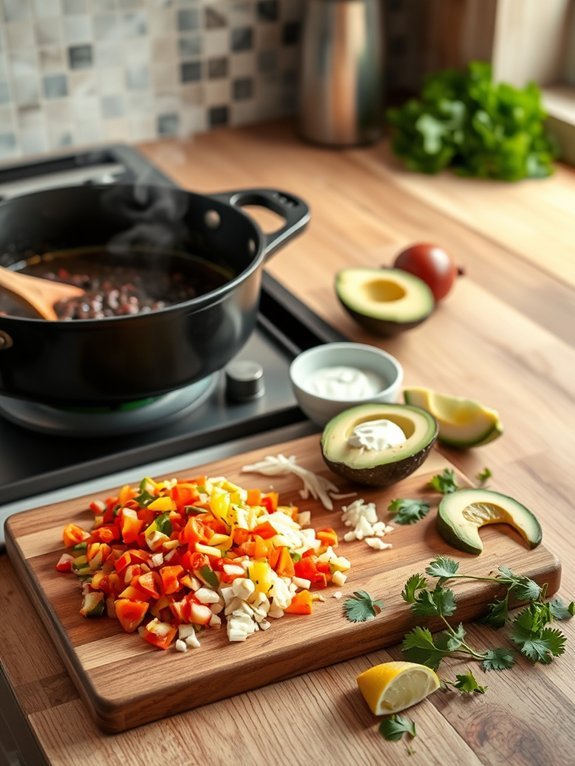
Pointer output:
x,y
244,380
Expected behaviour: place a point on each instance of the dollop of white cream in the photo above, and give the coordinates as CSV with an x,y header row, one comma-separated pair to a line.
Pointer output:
x,y
344,383
376,435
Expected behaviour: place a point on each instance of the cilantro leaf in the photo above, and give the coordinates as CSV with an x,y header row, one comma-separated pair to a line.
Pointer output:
x,y
442,567
498,659
431,603
455,639
561,611
497,613
483,476
467,684
533,618
444,482
415,583
419,646
406,511
394,727
361,607
523,588
539,647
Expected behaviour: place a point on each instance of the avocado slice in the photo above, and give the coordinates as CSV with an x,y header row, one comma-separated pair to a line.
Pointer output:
x,y
384,301
462,513
378,467
462,422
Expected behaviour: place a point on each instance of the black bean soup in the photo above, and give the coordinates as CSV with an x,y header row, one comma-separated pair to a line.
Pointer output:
x,y
119,284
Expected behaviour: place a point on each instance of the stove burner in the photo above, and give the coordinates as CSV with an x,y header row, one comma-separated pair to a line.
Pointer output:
x,y
125,419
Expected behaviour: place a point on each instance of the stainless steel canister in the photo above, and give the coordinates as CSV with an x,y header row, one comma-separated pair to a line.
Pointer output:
x,y
341,77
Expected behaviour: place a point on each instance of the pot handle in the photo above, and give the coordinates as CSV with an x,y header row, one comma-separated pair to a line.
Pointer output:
x,y
292,209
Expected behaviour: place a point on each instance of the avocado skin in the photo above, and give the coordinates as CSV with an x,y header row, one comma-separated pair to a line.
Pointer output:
x,y
383,475
447,522
382,327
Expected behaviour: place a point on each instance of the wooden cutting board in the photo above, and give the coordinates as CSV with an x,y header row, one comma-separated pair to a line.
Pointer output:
x,y
124,682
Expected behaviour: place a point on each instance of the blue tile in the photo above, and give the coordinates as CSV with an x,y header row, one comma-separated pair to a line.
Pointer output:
x,y
191,71
8,144
168,124
135,24
268,10
16,10
55,85
80,56
189,19
218,115
215,19
242,39
218,68
243,88
190,46
267,61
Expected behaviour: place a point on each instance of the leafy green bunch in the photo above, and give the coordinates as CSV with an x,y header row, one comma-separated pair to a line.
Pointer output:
x,y
530,629
466,121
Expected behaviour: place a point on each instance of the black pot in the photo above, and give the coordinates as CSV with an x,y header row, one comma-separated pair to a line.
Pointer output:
x,y
119,359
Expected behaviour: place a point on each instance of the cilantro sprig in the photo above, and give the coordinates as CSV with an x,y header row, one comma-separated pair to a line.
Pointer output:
x,y
406,511
529,630
444,482
361,606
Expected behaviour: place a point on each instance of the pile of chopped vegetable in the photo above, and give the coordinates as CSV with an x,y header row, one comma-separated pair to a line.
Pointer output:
x,y
171,558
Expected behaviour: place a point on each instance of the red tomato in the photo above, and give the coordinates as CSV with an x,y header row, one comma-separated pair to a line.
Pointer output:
x,y
431,264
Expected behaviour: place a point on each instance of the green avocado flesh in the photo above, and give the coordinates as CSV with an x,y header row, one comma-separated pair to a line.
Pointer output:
x,y
384,301
463,423
374,467
461,514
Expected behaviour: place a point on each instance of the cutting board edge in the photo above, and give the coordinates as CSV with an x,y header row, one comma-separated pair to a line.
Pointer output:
x,y
370,640
114,715
64,648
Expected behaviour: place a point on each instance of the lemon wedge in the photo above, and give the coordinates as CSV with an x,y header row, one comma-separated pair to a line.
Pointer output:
x,y
462,422
394,686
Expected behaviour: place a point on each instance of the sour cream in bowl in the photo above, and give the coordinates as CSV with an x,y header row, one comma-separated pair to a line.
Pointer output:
x,y
330,378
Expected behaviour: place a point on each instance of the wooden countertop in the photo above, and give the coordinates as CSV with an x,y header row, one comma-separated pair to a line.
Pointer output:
x,y
505,335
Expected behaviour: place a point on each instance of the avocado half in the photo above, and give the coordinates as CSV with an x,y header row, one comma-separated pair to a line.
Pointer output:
x,y
462,422
378,468
461,514
384,301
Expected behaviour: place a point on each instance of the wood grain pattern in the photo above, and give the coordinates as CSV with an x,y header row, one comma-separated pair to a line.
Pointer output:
x,y
125,682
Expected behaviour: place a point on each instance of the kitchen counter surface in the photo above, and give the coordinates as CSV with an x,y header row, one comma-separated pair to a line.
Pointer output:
x,y
505,336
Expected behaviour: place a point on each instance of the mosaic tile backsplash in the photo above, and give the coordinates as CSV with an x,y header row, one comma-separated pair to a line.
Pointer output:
x,y
86,72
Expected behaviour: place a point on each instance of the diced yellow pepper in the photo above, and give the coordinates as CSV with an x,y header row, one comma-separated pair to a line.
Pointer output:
x,y
260,573
164,503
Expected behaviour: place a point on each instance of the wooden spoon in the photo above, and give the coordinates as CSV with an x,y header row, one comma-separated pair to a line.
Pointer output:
x,y
40,294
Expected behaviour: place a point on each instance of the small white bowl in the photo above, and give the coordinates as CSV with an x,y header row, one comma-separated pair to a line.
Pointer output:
x,y
380,379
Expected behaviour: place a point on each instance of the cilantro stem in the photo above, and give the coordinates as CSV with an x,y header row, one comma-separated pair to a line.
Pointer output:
x,y
464,647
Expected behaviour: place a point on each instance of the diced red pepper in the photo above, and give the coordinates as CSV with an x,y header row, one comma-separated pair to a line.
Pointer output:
x,y
300,604
130,613
169,576
159,633
73,534
328,536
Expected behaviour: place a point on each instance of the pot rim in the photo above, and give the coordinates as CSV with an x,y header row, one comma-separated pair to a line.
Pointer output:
x,y
210,298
